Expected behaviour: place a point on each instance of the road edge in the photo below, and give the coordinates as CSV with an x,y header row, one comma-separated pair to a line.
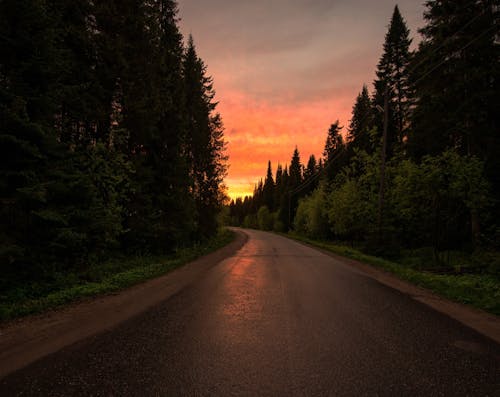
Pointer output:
x,y
25,340
486,324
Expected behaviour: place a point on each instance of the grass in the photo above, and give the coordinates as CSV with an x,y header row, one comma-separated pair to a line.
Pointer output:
x,y
481,290
111,276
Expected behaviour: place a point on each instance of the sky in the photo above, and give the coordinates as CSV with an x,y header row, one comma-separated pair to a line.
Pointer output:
x,y
285,70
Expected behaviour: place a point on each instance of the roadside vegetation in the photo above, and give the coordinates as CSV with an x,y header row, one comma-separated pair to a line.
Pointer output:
x,y
111,276
110,147
413,184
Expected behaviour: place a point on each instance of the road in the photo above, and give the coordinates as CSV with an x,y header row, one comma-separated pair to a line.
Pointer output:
x,y
276,319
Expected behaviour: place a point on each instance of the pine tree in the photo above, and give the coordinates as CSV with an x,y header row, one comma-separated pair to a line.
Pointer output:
x,y
27,144
457,80
334,151
361,123
295,171
284,199
393,81
204,141
268,189
310,170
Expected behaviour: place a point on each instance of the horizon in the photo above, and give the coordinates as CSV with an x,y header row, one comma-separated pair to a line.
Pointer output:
x,y
281,86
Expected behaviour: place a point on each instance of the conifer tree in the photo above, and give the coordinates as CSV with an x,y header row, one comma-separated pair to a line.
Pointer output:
x,y
295,171
393,81
204,141
268,189
332,152
309,172
361,123
457,80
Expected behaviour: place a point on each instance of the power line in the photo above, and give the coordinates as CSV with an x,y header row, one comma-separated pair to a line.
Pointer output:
x,y
491,28
318,174
411,70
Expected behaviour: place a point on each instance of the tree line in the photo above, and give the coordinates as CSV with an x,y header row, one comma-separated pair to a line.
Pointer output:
x,y
418,166
110,140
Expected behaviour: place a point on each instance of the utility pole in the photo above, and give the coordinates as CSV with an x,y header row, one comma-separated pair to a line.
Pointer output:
x,y
382,163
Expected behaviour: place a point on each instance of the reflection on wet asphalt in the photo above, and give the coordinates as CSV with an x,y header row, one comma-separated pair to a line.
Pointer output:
x,y
276,319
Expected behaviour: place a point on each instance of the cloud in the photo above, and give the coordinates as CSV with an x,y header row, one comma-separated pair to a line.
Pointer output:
x,y
284,70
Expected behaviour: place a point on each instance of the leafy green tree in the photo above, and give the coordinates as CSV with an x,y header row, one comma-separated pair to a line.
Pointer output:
x,y
311,219
265,219
433,200
352,198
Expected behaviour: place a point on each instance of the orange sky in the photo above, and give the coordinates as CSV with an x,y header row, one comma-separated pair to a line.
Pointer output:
x,y
285,70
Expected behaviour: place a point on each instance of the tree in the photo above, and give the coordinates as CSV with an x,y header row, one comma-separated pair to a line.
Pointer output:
x,y
265,219
311,219
268,189
334,145
359,136
99,103
311,168
204,141
456,73
393,81
295,171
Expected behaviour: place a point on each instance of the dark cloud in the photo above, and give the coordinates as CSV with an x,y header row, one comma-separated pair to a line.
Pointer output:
x,y
270,48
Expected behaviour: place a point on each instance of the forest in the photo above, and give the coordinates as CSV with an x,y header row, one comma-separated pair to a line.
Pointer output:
x,y
417,168
109,136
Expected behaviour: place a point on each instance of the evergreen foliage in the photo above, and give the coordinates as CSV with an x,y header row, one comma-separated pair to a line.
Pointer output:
x,y
361,123
393,81
109,136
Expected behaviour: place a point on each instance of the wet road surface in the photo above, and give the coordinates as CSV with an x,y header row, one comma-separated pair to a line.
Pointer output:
x,y
276,319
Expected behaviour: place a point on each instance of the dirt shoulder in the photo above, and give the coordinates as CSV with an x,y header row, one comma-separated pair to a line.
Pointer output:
x,y
25,340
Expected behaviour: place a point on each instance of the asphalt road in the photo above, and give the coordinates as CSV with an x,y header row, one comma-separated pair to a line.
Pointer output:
x,y
276,319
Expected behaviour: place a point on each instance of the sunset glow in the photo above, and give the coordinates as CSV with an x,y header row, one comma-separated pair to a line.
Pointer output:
x,y
284,72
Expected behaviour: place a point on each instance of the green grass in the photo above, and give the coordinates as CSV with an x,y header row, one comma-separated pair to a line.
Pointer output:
x,y
108,277
479,290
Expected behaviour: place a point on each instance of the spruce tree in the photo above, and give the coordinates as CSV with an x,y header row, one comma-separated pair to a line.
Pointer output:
x,y
361,123
393,81
204,141
457,80
268,189
333,153
295,171
456,74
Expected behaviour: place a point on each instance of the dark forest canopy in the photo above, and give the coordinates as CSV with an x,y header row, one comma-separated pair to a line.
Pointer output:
x,y
439,107
110,140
